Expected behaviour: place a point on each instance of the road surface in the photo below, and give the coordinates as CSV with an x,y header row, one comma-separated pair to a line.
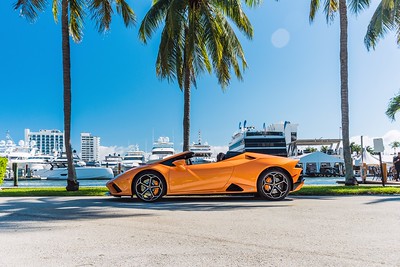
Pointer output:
x,y
200,231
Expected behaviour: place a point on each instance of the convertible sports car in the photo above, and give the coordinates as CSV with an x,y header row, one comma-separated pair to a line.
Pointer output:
x,y
268,176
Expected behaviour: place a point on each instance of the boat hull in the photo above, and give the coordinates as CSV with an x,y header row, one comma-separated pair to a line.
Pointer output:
x,y
82,173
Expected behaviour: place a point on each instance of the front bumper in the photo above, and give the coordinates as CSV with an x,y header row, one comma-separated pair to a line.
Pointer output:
x,y
113,188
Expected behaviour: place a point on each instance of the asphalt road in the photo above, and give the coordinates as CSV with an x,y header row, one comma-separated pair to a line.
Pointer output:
x,y
222,231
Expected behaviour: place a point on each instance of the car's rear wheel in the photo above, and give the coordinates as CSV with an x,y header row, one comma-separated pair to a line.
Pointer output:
x,y
274,184
149,186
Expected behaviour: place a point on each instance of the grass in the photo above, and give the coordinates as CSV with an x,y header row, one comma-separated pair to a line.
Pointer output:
x,y
52,191
346,190
305,191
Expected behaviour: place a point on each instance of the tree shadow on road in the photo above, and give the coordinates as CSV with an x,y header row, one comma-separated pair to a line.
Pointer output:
x,y
203,203
15,211
28,212
384,199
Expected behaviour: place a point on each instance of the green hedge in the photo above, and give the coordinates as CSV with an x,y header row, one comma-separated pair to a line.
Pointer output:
x,y
3,165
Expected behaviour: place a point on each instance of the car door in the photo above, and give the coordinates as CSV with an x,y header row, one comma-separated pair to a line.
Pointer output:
x,y
199,178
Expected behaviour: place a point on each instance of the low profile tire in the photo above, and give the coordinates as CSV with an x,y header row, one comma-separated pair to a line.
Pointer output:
x,y
273,185
149,186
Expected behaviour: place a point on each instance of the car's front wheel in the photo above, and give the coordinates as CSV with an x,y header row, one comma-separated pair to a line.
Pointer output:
x,y
273,185
149,186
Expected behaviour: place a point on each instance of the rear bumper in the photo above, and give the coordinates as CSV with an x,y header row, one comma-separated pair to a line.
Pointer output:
x,y
298,185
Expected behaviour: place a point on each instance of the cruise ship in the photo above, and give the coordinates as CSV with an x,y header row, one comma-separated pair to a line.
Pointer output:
x,y
202,152
273,140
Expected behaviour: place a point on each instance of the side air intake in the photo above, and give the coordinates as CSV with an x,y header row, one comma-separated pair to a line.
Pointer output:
x,y
116,188
250,157
234,188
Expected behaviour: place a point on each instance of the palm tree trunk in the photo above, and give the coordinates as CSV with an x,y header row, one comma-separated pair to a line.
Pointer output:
x,y
345,92
72,184
186,90
186,114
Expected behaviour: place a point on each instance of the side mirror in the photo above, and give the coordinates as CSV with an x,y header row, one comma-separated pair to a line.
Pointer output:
x,y
180,163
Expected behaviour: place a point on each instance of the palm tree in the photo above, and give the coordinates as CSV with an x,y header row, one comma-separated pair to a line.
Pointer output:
x,y
395,145
197,37
355,148
310,149
331,7
370,150
72,15
393,107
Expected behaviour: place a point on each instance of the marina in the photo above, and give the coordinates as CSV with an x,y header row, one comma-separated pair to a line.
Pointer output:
x,y
280,139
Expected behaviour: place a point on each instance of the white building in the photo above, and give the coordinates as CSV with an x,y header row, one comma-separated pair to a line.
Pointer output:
x,y
47,141
90,147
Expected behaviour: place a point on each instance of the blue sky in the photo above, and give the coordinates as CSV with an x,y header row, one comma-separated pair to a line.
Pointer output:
x,y
117,96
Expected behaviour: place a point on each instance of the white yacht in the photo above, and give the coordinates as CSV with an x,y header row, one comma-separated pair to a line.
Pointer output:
x,y
36,162
16,153
274,140
112,161
133,158
82,173
161,149
62,160
202,152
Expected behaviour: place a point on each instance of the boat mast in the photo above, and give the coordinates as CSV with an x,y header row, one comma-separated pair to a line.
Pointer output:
x,y
199,142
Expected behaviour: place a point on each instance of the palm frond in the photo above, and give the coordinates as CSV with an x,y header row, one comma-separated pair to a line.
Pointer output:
x,y
253,3
30,8
153,18
200,57
101,11
233,10
314,6
76,8
381,22
165,65
356,6
330,9
388,4
55,9
396,19
393,107
233,51
127,12
170,56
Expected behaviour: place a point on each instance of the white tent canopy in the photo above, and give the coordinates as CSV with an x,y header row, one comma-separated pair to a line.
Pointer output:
x,y
371,159
367,158
318,158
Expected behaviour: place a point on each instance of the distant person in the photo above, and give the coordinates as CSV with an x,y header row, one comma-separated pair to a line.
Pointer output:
x,y
396,162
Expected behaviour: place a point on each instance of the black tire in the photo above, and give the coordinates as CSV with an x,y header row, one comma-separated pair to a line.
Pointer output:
x,y
274,185
149,186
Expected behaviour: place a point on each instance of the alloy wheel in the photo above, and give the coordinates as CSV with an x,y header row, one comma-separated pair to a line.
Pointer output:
x,y
149,187
275,185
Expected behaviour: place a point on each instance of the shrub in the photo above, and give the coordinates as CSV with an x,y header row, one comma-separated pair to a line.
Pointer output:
x,y
3,165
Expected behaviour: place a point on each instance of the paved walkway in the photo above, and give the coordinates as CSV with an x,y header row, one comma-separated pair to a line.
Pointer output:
x,y
241,231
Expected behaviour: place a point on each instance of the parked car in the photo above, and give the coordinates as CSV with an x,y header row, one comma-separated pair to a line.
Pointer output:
x,y
270,177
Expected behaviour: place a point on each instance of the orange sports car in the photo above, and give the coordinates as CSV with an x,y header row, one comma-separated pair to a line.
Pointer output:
x,y
268,176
